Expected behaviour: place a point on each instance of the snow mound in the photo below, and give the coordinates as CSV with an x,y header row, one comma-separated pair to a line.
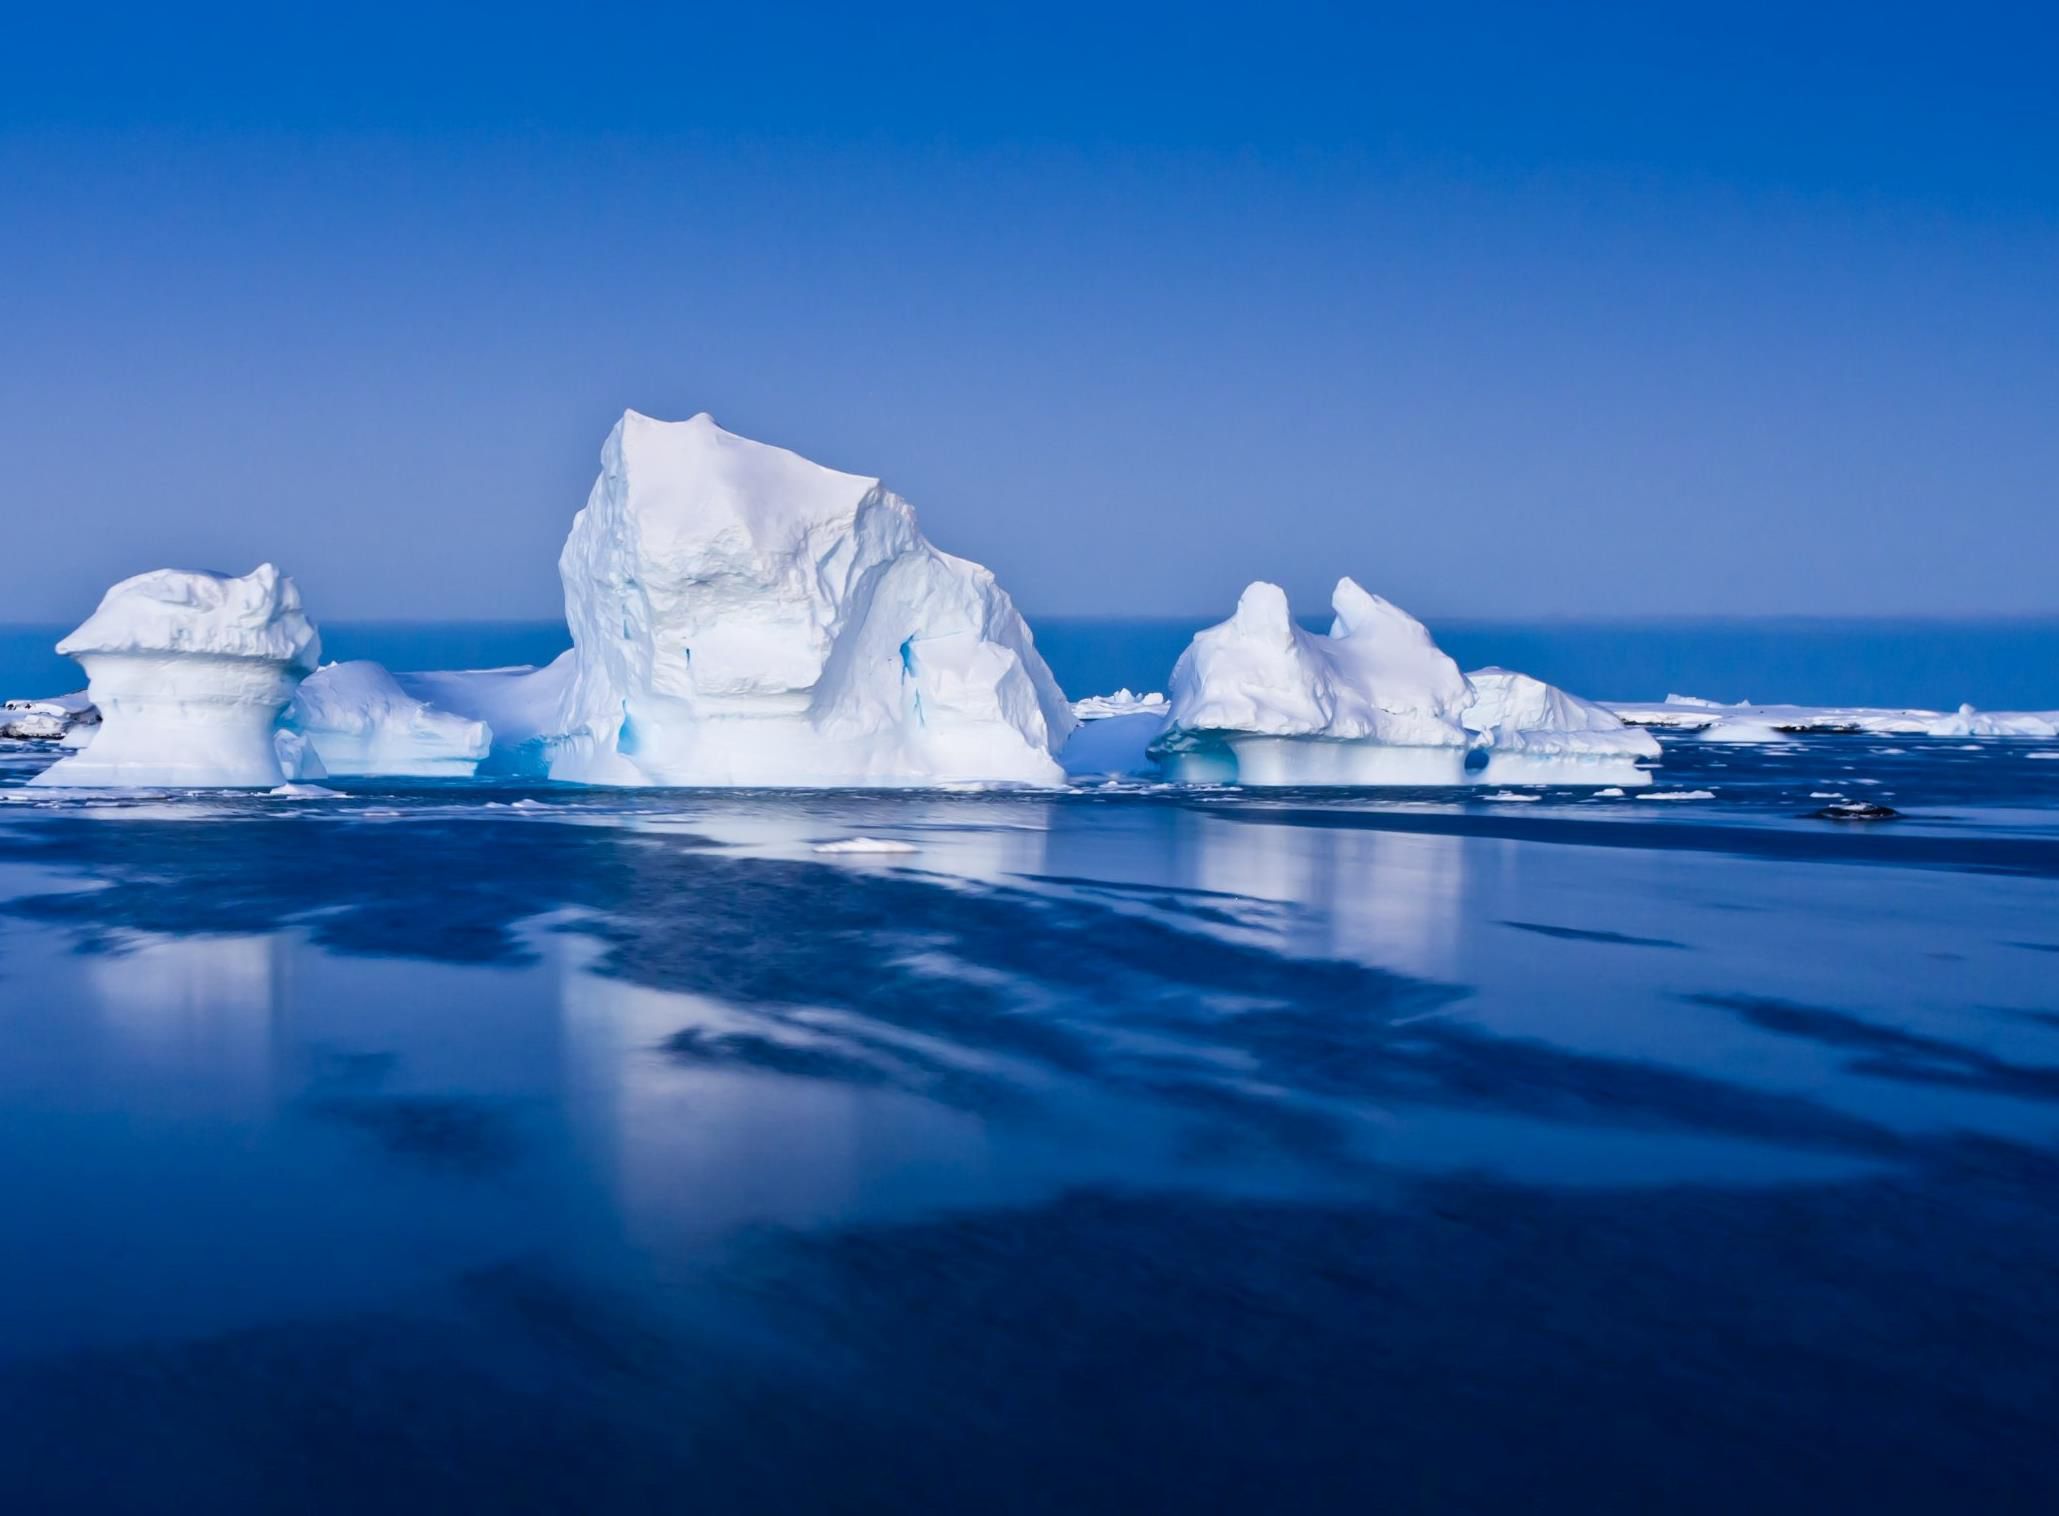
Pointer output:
x,y
356,719
1537,733
1122,703
1967,722
1257,700
189,672
51,720
742,616
865,845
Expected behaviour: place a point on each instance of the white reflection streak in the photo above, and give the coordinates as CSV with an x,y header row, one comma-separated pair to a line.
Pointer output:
x,y
194,1014
1390,899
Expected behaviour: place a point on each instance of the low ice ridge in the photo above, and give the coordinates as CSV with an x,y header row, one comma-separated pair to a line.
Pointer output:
x,y
1748,722
356,719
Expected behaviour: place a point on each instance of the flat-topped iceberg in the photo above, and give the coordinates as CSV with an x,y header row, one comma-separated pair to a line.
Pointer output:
x,y
355,719
189,672
1257,700
1537,733
742,616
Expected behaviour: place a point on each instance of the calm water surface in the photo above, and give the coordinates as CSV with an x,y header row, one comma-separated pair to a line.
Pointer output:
x,y
492,1147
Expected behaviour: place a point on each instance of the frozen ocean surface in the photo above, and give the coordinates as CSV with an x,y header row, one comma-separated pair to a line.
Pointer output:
x,y
477,1145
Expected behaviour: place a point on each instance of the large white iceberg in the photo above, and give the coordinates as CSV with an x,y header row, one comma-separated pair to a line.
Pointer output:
x,y
742,616
1257,700
1537,733
189,672
354,718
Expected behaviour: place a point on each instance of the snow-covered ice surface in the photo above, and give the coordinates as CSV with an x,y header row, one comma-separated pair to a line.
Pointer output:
x,y
1745,722
356,719
742,616
51,719
1533,732
342,1124
1121,703
189,672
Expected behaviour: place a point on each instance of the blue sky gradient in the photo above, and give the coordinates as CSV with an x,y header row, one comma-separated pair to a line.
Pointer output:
x,y
1523,311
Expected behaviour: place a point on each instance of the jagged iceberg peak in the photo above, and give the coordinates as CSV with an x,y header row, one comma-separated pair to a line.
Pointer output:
x,y
190,672
741,615
1377,677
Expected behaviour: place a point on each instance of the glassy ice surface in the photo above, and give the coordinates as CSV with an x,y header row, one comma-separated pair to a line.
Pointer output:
x,y
488,1147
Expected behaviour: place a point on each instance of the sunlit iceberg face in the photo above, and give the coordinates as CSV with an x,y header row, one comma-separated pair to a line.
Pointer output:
x,y
190,672
1530,732
743,616
1257,700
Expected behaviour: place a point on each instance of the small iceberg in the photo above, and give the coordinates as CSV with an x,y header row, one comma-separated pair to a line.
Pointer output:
x,y
190,672
1256,700
69,719
354,718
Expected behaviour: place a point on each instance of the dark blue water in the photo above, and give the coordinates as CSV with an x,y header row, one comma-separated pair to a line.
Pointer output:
x,y
489,1146
2000,665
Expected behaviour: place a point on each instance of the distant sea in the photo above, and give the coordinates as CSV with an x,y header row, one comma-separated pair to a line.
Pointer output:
x,y
1997,665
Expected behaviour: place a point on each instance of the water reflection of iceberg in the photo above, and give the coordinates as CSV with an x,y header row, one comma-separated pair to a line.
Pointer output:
x,y
693,1150
192,1017
1391,899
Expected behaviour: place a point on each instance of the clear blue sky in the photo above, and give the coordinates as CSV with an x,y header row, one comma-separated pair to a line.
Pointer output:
x,y
1529,310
